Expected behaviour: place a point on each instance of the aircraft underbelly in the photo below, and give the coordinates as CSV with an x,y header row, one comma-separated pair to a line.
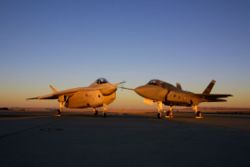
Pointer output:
x,y
180,99
84,99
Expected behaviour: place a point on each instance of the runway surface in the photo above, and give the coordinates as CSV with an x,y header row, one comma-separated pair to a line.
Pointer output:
x,y
76,139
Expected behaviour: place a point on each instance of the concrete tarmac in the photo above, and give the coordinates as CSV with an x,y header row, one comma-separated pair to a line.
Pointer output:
x,y
39,139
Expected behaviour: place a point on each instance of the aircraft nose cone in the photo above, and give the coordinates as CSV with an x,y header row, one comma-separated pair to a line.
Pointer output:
x,y
109,90
140,90
114,89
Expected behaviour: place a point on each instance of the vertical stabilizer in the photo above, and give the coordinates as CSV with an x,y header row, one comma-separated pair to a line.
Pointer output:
x,y
178,85
209,88
53,89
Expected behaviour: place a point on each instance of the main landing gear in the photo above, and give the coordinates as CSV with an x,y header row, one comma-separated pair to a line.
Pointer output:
x,y
159,110
58,114
104,115
169,113
198,114
159,115
95,112
59,111
105,108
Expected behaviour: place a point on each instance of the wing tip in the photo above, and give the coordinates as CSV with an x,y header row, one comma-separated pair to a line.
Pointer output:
x,y
122,87
32,98
54,90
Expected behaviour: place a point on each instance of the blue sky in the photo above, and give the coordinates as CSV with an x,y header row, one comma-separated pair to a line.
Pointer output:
x,y
71,43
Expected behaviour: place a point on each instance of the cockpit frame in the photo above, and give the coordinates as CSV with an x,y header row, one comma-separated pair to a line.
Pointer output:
x,y
101,81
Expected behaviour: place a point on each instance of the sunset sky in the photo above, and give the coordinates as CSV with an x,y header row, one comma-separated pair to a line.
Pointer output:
x,y
72,43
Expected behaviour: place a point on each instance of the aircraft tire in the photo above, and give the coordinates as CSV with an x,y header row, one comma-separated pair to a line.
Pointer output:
x,y
198,114
167,113
159,115
58,114
104,115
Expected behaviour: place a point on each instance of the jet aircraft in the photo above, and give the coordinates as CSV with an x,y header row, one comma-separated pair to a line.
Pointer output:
x,y
160,92
98,94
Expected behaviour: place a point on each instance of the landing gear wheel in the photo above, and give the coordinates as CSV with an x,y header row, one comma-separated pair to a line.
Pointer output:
x,y
169,114
58,113
96,113
198,115
159,115
104,115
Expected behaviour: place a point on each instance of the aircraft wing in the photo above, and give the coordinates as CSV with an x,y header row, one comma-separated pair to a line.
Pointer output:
x,y
49,96
214,97
57,94
122,87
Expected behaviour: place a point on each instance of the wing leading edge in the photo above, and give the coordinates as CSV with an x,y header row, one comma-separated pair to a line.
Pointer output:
x,y
57,94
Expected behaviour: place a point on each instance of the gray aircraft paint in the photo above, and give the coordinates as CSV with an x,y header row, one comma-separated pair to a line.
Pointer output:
x,y
165,93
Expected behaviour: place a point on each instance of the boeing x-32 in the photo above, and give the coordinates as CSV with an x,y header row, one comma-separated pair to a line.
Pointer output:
x,y
98,94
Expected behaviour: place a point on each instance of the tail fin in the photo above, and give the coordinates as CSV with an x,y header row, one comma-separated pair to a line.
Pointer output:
x,y
178,85
209,88
53,89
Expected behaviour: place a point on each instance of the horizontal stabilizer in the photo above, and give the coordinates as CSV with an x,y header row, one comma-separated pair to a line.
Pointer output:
x,y
214,97
217,100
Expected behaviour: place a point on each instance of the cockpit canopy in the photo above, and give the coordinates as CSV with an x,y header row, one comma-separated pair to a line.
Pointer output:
x,y
101,81
160,83
154,82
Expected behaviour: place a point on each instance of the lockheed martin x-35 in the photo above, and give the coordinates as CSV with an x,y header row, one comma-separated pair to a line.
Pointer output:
x,y
160,92
98,94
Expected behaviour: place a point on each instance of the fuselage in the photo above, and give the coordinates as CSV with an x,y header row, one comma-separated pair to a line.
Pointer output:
x,y
168,94
97,94
93,98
